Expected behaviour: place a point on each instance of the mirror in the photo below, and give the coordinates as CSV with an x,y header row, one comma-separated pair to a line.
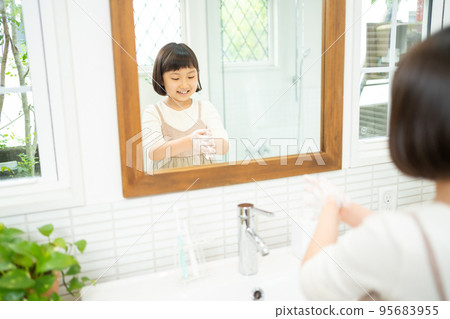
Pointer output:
x,y
243,168
262,64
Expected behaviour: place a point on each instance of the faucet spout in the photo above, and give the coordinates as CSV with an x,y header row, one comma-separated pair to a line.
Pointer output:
x,y
259,243
249,242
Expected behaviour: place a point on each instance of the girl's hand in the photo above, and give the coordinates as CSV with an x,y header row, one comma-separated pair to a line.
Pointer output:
x,y
353,215
203,143
321,190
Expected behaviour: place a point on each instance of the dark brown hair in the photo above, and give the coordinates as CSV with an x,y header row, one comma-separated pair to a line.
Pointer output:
x,y
172,57
419,137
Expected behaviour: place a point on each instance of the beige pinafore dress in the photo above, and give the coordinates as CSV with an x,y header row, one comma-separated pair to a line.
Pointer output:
x,y
185,158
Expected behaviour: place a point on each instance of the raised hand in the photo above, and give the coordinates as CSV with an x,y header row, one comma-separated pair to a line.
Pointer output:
x,y
203,143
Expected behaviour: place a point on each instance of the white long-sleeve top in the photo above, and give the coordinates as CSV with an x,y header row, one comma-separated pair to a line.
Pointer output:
x,y
386,254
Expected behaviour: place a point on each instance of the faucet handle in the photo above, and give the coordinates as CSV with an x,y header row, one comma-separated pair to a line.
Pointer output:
x,y
248,206
264,212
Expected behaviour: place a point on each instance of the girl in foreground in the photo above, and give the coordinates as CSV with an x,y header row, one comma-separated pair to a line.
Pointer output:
x,y
396,255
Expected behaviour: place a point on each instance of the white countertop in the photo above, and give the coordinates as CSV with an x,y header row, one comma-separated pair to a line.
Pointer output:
x,y
220,280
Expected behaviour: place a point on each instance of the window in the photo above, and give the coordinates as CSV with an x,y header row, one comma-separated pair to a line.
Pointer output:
x,y
19,152
388,29
156,23
44,47
245,31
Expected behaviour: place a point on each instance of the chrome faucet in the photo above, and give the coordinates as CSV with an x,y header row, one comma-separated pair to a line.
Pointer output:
x,y
249,242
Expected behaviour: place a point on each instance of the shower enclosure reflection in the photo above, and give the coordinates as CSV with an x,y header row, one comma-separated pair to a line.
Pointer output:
x,y
260,66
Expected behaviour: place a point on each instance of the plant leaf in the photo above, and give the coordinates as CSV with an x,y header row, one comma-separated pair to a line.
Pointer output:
x,y
12,295
28,248
9,233
5,254
23,260
16,279
20,253
33,296
60,242
75,284
46,230
56,261
73,270
81,245
55,297
46,250
44,283
4,266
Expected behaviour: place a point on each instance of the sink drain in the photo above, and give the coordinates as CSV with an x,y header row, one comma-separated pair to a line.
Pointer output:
x,y
257,294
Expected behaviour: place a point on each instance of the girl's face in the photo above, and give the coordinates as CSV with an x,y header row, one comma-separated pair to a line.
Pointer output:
x,y
180,85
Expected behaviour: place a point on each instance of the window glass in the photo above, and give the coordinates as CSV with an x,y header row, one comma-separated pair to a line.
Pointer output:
x,y
375,31
157,22
410,28
374,105
389,29
245,26
19,152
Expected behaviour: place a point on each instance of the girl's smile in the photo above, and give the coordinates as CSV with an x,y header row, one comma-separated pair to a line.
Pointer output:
x,y
180,85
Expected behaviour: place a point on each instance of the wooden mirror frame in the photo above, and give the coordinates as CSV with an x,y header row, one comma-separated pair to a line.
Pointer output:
x,y
137,183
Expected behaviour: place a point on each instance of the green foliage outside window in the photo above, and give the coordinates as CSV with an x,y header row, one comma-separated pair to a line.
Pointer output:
x,y
18,156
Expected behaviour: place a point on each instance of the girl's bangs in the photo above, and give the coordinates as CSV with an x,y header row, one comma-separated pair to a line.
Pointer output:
x,y
178,60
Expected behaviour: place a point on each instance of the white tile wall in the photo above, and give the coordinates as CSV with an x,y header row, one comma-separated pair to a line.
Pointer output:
x,y
136,236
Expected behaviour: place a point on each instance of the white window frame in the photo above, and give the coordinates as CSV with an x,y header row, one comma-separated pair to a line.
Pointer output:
x,y
371,150
50,58
446,16
194,32
440,16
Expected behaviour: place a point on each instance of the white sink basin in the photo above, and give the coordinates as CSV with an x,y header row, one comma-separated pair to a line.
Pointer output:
x,y
277,279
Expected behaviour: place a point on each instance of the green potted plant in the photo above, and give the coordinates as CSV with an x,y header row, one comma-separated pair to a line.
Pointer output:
x,y
31,271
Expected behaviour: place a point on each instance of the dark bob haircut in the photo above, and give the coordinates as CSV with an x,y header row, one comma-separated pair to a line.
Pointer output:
x,y
419,137
172,57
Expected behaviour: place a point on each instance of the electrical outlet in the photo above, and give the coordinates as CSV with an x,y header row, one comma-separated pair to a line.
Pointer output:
x,y
387,200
